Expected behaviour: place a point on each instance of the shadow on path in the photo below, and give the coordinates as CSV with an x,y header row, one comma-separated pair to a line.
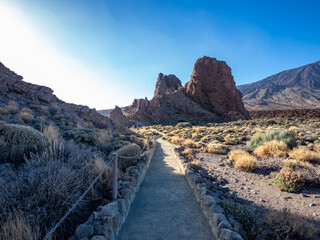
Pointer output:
x,y
165,206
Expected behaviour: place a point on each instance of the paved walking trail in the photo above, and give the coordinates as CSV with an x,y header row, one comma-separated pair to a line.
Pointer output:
x,y
165,206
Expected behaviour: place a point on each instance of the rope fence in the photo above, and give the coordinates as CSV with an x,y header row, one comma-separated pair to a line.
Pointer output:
x,y
114,160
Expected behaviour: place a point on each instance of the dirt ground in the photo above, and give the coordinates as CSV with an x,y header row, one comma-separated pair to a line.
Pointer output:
x,y
257,189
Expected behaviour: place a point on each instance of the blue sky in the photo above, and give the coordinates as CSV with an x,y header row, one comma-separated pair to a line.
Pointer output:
x,y
107,52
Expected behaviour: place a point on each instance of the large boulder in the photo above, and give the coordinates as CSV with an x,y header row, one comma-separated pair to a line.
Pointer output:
x,y
212,86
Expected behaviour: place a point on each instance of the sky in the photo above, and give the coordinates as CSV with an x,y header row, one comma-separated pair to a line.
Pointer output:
x,y
103,53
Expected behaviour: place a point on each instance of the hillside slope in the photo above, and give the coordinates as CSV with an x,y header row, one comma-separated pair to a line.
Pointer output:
x,y
297,88
30,104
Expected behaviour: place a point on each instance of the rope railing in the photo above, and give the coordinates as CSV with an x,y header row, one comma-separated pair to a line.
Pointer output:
x,y
114,160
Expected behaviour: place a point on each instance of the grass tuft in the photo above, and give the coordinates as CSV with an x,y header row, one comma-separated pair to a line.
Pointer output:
x,y
273,148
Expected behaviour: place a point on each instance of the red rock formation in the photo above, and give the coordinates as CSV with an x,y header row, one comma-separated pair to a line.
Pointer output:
x,y
169,105
209,96
212,86
117,116
166,84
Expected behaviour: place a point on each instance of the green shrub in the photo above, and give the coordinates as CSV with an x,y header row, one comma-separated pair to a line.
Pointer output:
x,y
260,138
246,217
129,150
17,142
289,180
184,125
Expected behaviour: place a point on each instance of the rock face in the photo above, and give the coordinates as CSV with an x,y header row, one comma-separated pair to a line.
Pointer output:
x,y
213,87
117,116
209,96
45,105
166,84
297,88
168,106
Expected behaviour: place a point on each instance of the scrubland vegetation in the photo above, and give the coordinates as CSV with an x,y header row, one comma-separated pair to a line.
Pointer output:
x,y
44,172
285,150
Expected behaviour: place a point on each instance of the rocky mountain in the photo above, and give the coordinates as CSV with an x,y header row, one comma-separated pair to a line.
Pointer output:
x,y
27,103
209,96
297,88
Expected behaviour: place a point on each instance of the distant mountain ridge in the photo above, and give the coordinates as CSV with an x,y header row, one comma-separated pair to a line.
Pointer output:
x,y
297,88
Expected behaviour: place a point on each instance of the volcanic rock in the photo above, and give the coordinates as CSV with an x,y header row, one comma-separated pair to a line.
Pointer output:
x,y
212,86
209,96
117,115
166,84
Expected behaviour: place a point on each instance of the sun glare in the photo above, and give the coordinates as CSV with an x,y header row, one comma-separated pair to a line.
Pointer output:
x,y
28,52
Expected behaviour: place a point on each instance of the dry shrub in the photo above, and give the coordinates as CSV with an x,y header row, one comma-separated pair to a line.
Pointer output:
x,y
246,163
295,164
130,150
19,229
42,191
292,128
189,143
176,140
237,154
289,180
4,110
316,147
304,154
244,215
272,149
287,225
187,151
216,148
13,107
26,116
195,164
106,178
102,140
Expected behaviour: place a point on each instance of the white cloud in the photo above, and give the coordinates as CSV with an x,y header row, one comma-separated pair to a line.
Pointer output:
x,y
25,50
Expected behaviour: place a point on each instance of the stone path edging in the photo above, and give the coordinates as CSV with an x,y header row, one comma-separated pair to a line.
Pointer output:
x,y
223,226
106,222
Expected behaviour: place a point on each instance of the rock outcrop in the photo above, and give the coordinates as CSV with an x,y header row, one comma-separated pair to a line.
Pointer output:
x,y
209,96
166,84
117,116
212,86
43,104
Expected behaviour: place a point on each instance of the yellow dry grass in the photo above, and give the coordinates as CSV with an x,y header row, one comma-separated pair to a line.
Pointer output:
x,y
246,163
243,160
272,149
176,140
236,154
304,154
189,143
216,148
187,151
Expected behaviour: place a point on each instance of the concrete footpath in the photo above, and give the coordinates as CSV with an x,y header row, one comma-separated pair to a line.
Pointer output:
x,y
165,206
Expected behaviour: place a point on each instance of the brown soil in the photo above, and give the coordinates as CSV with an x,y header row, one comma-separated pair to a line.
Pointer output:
x,y
289,113
257,190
